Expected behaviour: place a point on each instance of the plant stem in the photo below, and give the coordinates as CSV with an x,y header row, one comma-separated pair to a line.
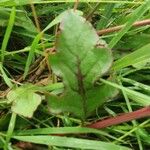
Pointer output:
x,y
76,5
143,112
117,28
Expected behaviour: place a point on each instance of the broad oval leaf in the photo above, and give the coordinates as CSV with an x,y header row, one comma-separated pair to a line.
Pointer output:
x,y
24,100
81,58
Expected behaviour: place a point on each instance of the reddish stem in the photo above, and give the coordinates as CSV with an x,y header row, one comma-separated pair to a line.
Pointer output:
x,y
144,112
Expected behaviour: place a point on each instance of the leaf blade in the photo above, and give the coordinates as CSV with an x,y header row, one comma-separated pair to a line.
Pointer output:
x,y
24,100
70,142
136,14
80,60
137,56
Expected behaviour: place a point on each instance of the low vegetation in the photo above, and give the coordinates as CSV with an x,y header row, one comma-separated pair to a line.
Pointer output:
x,y
74,75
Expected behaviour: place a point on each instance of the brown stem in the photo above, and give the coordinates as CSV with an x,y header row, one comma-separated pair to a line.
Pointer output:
x,y
117,28
76,5
144,112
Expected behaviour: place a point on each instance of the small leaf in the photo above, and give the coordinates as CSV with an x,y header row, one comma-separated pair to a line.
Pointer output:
x,y
24,100
80,62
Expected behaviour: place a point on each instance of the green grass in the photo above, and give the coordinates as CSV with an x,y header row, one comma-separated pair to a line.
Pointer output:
x,y
21,46
7,33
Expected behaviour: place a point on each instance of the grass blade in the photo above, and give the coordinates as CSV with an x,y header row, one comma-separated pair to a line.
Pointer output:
x,y
10,129
137,84
25,2
134,95
31,53
136,15
137,56
8,32
6,79
105,17
70,142
62,130
134,122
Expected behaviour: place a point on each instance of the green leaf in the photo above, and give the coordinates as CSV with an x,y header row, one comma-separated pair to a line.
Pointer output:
x,y
80,62
62,130
138,56
135,16
59,18
70,142
5,77
106,15
10,129
31,53
8,32
23,25
134,95
16,2
24,100
25,2
36,40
